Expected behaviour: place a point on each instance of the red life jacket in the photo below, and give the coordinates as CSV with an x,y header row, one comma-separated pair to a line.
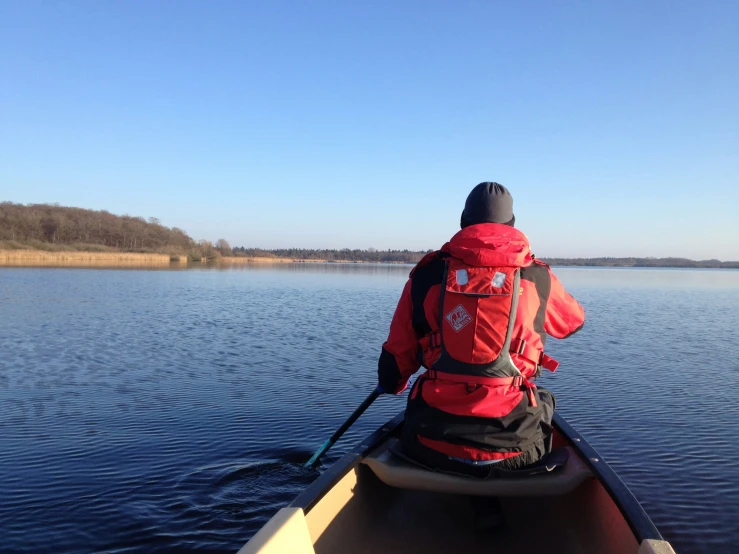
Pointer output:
x,y
477,315
477,399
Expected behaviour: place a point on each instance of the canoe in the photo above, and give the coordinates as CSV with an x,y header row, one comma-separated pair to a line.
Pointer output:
x,y
373,501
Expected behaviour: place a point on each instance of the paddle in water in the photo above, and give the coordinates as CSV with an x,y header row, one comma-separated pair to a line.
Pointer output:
x,y
341,430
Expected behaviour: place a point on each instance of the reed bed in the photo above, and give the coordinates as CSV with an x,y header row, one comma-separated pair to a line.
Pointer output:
x,y
27,257
42,258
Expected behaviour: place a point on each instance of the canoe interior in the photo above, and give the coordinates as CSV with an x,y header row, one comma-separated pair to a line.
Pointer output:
x,y
348,509
363,515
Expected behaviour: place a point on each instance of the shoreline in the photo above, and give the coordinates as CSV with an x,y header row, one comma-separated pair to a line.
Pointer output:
x,y
43,258
262,260
134,260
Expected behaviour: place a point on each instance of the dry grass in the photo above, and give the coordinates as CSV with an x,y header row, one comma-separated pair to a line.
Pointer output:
x,y
11,256
44,258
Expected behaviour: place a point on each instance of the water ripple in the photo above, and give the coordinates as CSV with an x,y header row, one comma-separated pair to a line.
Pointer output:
x,y
171,411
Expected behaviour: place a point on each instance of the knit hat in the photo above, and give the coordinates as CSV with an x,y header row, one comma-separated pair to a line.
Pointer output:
x,y
488,203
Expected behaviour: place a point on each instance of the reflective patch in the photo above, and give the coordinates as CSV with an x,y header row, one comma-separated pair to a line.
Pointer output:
x,y
499,279
462,278
458,318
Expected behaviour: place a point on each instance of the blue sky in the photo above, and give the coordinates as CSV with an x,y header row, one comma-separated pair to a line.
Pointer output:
x,y
365,124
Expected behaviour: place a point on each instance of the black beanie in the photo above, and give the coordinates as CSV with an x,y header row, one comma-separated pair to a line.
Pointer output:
x,y
488,203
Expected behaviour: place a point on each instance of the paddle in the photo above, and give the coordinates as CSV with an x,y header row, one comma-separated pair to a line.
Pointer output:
x,y
348,423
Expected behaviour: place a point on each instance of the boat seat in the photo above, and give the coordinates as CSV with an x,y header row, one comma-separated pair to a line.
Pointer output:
x,y
396,472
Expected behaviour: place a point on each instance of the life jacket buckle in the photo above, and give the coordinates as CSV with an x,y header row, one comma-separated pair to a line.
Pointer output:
x,y
521,347
435,340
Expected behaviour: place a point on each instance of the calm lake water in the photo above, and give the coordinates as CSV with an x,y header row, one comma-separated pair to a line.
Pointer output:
x,y
154,411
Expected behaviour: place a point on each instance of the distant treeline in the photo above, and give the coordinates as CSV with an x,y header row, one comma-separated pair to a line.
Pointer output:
x,y
640,262
345,255
410,256
61,225
54,227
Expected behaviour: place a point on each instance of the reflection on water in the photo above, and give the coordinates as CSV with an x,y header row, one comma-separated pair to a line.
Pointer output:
x,y
629,278
153,411
306,267
344,268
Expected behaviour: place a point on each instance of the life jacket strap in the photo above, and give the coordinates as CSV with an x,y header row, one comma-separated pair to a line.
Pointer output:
x,y
519,381
519,346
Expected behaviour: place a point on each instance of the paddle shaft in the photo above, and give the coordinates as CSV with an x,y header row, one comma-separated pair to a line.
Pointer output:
x,y
341,430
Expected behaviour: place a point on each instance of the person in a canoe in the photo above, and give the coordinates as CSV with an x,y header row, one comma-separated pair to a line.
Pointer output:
x,y
476,314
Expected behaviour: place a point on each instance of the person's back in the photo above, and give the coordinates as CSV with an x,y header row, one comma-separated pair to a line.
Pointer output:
x,y
476,314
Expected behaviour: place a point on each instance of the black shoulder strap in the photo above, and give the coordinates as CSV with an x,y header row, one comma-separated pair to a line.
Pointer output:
x,y
428,258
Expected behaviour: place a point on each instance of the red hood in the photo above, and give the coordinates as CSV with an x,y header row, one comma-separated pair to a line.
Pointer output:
x,y
490,244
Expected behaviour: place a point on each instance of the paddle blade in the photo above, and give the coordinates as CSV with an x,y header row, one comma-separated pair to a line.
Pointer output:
x,y
348,423
320,452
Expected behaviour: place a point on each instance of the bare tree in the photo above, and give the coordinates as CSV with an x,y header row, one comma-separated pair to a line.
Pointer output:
x,y
224,248
80,228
